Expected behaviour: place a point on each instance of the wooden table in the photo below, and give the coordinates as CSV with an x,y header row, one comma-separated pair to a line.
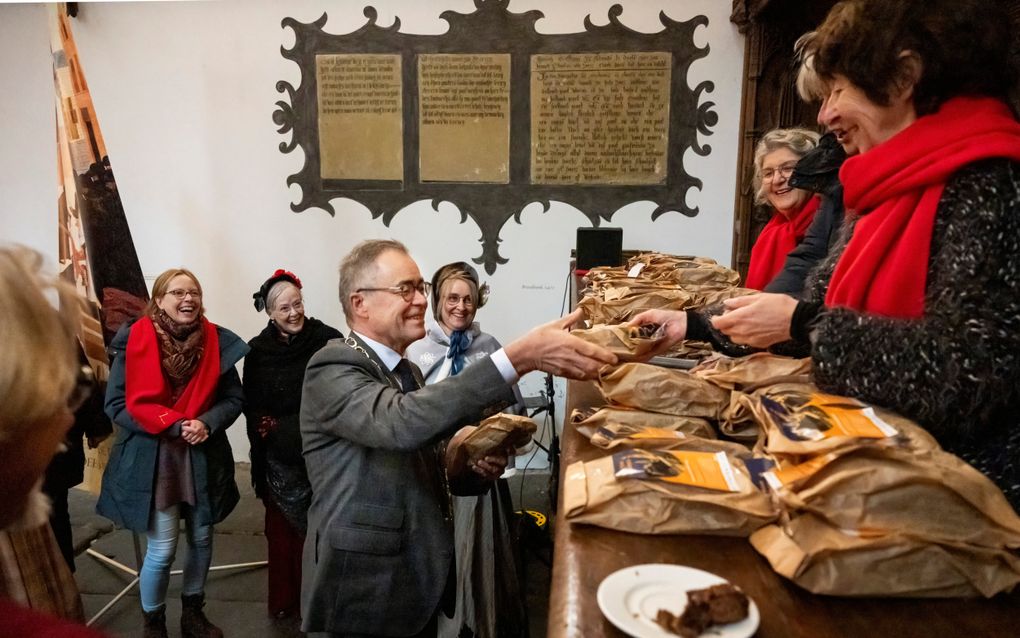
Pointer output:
x,y
584,555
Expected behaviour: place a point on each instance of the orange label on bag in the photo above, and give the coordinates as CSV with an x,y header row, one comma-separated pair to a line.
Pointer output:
x,y
658,433
640,433
781,476
700,469
816,416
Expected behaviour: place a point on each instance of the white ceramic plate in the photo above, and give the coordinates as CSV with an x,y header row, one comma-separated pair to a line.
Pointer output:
x,y
632,597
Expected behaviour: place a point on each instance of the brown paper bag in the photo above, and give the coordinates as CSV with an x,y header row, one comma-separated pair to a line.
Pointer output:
x,y
627,343
684,270
738,421
95,464
800,422
647,387
621,310
616,435
690,349
614,289
711,297
590,420
927,494
498,432
825,560
593,494
755,370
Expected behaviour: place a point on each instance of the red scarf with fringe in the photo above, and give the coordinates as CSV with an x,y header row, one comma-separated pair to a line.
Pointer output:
x,y
777,239
895,189
149,393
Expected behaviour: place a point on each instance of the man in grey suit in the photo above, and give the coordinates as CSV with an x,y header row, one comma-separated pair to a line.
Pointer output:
x,y
378,559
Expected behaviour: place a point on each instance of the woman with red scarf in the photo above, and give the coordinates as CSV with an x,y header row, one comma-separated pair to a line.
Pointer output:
x,y
173,392
918,308
775,157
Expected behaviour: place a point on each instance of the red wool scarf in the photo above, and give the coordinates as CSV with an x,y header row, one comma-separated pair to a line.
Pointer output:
x,y
895,189
148,392
777,239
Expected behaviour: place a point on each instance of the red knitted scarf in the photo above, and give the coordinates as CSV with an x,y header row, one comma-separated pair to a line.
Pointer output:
x,y
895,189
777,239
149,393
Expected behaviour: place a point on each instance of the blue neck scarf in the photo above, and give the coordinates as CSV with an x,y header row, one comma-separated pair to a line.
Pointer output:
x,y
458,346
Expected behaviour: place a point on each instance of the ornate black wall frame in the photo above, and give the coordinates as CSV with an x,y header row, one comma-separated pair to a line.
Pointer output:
x,y
492,28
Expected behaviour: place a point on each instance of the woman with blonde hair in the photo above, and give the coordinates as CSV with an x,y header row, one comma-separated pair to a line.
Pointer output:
x,y
41,383
489,595
173,392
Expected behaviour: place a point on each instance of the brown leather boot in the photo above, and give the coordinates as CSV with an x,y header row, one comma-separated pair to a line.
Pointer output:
x,y
155,624
194,624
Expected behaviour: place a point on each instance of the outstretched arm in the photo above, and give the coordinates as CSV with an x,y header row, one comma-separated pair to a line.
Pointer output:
x,y
551,348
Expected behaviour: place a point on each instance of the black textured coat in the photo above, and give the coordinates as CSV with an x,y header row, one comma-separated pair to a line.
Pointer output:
x,y
274,372
956,370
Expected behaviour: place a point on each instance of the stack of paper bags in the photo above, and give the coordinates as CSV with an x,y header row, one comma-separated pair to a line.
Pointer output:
x,y
873,507
656,281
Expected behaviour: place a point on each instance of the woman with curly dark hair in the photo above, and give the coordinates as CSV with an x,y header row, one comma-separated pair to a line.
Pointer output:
x,y
917,309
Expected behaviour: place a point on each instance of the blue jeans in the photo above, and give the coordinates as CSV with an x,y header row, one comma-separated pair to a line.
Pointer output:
x,y
161,547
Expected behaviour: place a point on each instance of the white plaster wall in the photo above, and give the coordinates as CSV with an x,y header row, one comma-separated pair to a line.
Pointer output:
x,y
185,92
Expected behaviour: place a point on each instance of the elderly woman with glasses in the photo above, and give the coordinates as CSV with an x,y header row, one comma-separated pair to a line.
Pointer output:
x,y
273,373
489,601
173,392
775,157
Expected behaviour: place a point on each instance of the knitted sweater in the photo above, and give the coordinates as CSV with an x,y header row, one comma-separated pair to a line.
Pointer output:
x,y
956,371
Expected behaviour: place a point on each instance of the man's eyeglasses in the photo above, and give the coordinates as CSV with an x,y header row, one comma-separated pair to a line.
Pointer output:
x,y
406,289
181,294
454,300
783,171
84,385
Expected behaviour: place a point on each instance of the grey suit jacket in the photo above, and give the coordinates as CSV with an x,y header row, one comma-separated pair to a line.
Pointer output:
x,y
378,551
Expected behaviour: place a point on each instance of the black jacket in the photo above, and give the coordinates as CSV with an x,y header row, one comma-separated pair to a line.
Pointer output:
x,y
273,374
67,468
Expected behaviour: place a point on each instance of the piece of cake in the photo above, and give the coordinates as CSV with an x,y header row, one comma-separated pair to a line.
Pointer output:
x,y
715,605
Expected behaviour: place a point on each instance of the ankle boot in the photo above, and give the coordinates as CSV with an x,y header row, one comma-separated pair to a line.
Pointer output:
x,y
194,624
155,623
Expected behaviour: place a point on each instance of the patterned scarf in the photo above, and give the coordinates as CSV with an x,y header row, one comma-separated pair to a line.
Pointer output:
x,y
180,348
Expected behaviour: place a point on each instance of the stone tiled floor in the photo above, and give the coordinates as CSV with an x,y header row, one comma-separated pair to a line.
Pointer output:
x,y
236,598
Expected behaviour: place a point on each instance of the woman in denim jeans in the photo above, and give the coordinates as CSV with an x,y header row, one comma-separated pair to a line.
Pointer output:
x,y
173,392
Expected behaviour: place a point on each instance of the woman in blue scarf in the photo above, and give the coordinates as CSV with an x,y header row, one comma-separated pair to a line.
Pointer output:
x,y
490,602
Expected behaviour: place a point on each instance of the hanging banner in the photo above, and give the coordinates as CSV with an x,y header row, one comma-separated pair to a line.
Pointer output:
x,y
95,250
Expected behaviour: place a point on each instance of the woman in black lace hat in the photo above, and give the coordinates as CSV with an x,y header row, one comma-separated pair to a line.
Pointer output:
x,y
273,373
